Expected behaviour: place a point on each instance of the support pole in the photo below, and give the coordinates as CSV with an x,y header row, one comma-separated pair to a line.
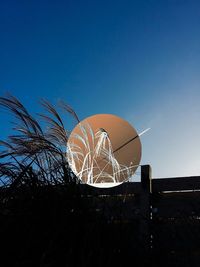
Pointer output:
x,y
145,206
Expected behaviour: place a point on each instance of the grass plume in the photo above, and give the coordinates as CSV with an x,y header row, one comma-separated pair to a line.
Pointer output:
x,y
35,154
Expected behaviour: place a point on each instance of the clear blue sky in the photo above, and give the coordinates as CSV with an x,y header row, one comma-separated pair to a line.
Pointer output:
x,y
138,59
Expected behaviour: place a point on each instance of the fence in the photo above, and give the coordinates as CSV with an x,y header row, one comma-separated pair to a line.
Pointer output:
x,y
154,221
167,211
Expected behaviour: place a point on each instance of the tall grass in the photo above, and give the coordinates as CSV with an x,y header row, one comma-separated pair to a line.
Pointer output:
x,y
35,155
91,157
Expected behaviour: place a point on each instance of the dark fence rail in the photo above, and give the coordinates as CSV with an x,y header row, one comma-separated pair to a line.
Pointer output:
x,y
125,188
176,184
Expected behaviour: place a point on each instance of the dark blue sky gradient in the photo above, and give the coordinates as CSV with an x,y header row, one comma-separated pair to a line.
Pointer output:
x,y
137,59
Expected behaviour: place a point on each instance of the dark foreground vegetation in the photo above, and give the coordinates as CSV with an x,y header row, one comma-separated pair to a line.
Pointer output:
x,y
55,226
61,226
48,219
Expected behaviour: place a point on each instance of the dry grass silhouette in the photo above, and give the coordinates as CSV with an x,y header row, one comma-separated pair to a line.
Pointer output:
x,y
34,154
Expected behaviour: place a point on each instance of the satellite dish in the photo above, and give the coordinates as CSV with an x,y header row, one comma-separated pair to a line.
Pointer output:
x,y
104,150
